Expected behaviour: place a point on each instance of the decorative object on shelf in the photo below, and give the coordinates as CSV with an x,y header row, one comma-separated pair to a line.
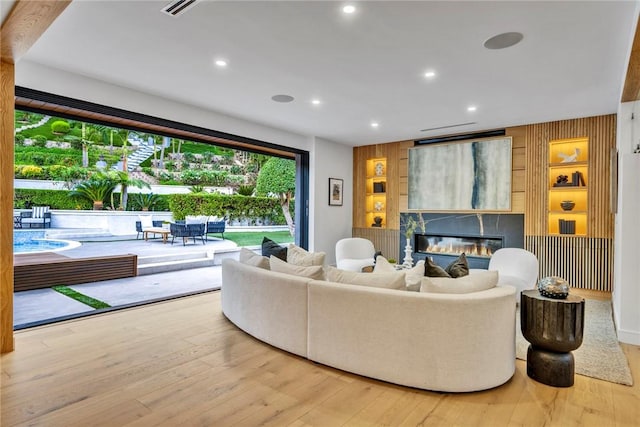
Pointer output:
x,y
377,221
567,226
378,206
335,191
379,169
567,205
570,158
553,287
379,187
562,181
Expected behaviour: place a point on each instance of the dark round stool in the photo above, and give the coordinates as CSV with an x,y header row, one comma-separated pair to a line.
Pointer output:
x,y
554,328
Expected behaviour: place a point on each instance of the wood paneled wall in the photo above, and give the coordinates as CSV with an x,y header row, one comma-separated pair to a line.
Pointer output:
x,y
586,262
601,131
6,205
384,239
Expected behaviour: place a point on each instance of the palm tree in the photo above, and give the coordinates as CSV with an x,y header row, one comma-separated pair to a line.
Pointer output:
x,y
123,179
97,189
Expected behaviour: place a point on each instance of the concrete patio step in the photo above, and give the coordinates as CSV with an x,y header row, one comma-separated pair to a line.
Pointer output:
x,y
173,262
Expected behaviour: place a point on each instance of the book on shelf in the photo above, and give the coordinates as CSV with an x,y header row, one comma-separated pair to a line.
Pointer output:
x,y
577,179
567,226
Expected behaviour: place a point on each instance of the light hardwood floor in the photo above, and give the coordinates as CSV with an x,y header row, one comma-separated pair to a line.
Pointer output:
x,y
181,363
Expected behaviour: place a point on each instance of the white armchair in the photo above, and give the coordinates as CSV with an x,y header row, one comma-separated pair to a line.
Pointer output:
x,y
516,267
354,253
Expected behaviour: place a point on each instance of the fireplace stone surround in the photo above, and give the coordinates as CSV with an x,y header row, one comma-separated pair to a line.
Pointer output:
x,y
472,232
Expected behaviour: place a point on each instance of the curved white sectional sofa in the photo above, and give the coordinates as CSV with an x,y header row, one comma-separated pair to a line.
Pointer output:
x,y
443,342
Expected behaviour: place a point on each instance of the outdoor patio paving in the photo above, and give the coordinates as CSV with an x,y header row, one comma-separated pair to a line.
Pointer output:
x,y
41,306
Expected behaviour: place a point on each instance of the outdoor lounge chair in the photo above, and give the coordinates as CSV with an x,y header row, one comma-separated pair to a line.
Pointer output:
x,y
39,216
215,227
156,223
187,230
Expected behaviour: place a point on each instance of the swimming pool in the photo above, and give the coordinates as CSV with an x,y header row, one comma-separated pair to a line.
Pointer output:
x,y
33,241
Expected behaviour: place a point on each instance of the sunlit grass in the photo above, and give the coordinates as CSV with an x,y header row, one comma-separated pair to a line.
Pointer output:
x,y
254,238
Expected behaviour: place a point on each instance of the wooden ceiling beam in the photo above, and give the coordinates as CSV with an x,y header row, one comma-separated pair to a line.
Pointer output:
x,y
631,90
24,25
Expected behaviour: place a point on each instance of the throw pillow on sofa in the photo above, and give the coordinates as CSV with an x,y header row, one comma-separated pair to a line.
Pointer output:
x,y
312,272
459,267
393,280
412,276
479,281
431,269
299,256
269,247
251,258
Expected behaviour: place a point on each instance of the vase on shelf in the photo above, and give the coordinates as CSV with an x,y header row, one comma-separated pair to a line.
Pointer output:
x,y
408,260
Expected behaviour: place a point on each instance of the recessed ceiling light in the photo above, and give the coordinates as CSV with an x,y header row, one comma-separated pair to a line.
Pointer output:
x,y
472,108
315,101
221,63
374,124
430,74
348,9
503,41
282,98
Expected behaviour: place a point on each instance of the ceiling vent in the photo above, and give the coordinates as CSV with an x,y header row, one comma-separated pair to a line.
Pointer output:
x,y
448,126
178,7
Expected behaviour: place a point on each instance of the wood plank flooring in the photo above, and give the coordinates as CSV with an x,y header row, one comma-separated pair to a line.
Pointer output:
x,y
181,363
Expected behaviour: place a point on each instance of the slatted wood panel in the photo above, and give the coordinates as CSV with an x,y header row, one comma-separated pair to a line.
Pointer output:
x,y
47,271
384,239
601,131
586,263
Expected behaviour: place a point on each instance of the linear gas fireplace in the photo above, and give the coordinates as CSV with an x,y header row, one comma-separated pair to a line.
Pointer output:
x,y
454,245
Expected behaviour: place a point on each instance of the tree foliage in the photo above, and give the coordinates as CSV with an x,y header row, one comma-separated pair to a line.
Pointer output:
x,y
277,176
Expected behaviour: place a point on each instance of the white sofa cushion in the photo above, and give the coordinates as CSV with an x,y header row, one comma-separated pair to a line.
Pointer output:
x,y
394,280
146,221
251,258
299,256
412,277
195,219
479,281
313,272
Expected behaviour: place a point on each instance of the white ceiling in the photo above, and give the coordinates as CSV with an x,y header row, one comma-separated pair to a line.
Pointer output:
x,y
365,67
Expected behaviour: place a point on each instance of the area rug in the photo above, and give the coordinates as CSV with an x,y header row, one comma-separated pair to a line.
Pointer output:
x,y
600,355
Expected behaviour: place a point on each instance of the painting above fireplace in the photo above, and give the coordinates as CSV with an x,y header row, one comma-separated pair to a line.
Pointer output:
x,y
471,175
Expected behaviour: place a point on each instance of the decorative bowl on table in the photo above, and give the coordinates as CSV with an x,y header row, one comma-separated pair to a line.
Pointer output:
x,y
553,287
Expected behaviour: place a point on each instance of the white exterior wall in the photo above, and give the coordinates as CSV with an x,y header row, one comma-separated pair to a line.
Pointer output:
x,y
626,287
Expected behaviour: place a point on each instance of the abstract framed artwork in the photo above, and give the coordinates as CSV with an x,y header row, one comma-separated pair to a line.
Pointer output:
x,y
461,176
335,191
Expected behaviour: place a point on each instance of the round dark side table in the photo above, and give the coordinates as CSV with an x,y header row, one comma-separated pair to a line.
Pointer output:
x,y
554,328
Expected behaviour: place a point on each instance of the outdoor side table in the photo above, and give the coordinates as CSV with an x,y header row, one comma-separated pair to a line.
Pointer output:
x,y
554,328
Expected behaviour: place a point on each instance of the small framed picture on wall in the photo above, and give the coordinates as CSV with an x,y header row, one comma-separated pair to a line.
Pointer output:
x,y
335,191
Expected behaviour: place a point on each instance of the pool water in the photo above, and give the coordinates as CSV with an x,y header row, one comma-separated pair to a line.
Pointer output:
x,y
28,241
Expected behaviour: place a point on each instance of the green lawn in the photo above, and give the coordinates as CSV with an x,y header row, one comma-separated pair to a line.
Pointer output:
x,y
253,238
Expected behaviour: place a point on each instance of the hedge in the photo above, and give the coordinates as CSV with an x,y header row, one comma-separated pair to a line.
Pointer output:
x,y
231,207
